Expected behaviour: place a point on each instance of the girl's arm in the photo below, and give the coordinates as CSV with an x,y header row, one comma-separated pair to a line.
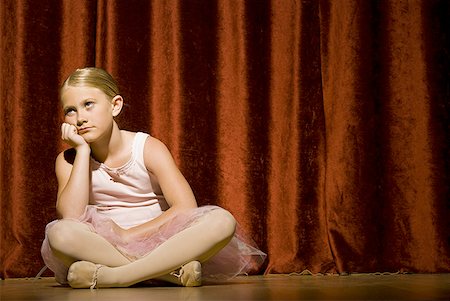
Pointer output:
x,y
174,186
73,177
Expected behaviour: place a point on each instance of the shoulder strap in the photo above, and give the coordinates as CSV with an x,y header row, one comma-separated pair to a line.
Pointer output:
x,y
138,146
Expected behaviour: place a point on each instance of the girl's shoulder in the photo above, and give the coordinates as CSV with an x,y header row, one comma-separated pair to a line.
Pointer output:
x,y
153,144
156,153
145,138
128,135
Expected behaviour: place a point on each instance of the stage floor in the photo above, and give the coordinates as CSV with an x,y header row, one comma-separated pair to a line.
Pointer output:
x,y
271,287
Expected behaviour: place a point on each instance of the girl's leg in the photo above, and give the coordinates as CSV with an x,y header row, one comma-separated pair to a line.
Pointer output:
x,y
199,242
71,241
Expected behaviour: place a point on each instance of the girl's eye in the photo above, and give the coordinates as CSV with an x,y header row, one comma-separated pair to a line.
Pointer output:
x,y
89,104
69,112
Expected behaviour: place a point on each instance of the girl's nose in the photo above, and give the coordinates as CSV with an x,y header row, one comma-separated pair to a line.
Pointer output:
x,y
81,120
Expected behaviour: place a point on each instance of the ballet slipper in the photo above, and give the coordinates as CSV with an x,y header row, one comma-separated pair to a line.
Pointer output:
x,y
83,274
190,274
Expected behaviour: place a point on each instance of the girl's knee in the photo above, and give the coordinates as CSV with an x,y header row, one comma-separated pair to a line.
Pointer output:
x,y
63,234
223,222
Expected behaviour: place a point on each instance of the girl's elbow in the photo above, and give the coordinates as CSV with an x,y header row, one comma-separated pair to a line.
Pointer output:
x,y
67,213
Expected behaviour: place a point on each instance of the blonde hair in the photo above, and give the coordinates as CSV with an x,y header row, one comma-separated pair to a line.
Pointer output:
x,y
92,77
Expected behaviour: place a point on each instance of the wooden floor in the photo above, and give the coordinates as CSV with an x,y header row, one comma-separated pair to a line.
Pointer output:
x,y
272,287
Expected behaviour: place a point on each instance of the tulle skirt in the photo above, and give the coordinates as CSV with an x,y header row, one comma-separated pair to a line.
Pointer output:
x,y
239,257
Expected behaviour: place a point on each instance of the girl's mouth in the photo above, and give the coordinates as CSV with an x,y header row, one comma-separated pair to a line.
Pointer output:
x,y
84,130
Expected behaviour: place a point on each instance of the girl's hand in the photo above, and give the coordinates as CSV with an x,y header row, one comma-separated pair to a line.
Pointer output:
x,y
123,234
69,134
134,234
118,229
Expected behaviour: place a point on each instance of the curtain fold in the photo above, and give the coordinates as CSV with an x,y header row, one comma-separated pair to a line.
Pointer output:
x,y
323,126
350,75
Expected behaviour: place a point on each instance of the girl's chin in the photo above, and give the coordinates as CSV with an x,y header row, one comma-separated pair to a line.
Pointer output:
x,y
88,137
92,137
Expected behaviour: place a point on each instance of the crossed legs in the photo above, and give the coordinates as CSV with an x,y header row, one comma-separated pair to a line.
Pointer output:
x,y
72,241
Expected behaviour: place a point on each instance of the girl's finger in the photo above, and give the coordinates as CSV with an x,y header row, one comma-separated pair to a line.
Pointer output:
x,y
67,130
71,129
63,131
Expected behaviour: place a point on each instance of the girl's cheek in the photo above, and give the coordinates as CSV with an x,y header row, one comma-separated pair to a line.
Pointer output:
x,y
69,120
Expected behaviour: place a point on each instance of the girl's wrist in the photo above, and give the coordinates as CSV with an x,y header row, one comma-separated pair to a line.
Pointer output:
x,y
83,148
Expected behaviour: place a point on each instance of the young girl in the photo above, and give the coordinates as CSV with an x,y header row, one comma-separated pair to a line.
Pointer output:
x,y
126,212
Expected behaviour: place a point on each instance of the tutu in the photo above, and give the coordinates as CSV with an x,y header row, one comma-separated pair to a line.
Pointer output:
x,y
239,257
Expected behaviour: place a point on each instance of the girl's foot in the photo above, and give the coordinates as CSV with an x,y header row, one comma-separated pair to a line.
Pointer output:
x,y
189,274
83,274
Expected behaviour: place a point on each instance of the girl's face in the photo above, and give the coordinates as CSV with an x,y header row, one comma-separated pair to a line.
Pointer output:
x,y
89,109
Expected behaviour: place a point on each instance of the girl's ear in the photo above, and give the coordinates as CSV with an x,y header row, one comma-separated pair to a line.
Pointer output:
x,y
117,103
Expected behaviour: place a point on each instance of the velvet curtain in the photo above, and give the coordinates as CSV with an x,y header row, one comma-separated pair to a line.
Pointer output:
x,y
323,126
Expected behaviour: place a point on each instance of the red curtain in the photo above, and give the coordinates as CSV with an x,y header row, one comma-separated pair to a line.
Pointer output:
x,y
323,126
